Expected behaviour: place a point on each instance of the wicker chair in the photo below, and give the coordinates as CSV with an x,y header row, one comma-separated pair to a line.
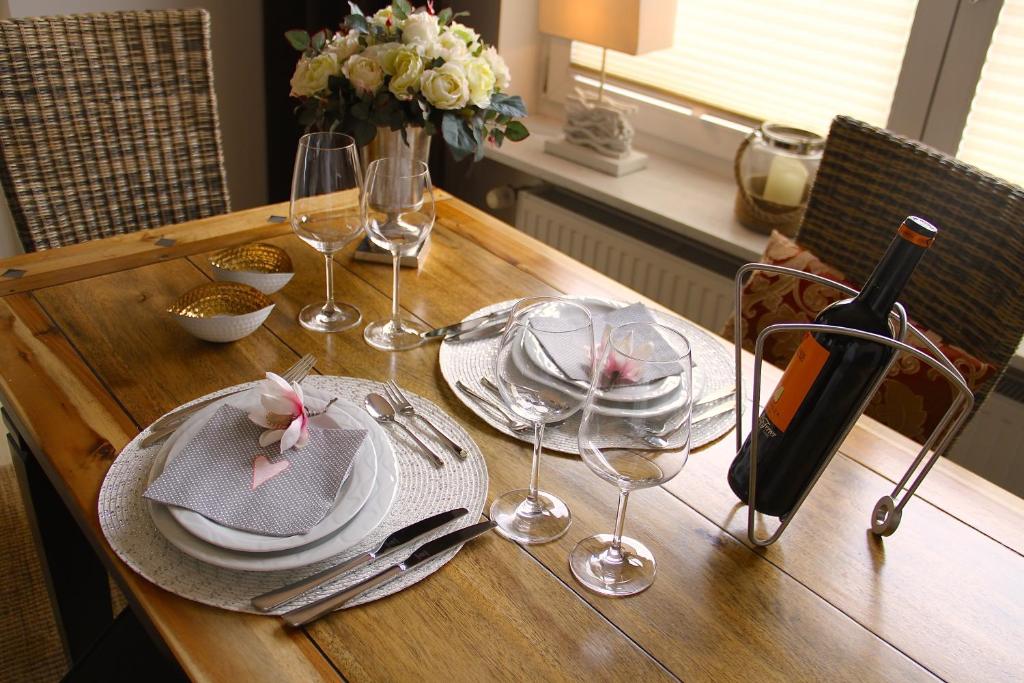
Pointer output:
x,y
969,288
108,124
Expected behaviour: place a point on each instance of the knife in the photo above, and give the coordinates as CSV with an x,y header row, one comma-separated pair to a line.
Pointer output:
x,y
466,325
396,540
427,551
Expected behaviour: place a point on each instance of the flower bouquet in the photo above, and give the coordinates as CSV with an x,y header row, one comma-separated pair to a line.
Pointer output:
x,y
406,67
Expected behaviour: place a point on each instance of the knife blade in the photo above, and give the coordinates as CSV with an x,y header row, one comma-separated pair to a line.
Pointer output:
x,y
465,325
405,535
315,610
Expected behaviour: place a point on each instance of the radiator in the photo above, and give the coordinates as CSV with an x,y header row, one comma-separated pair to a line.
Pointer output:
x,y
692,291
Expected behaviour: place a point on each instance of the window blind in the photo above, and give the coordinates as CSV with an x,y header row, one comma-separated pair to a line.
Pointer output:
x,y
798,62
993,138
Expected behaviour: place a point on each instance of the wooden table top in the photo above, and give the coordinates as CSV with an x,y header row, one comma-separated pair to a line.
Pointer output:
x,y
88,358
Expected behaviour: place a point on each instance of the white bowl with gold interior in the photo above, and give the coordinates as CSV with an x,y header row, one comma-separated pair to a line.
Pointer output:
x,y
221,311
264,266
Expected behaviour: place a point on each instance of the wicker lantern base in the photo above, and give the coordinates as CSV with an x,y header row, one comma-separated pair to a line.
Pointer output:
x,y
764,216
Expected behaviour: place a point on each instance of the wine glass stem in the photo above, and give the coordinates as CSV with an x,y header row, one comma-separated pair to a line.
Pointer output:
x,y
396,258
330,281
538,440
615,551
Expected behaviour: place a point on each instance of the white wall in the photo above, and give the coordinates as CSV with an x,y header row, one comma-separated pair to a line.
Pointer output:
x,y
237,45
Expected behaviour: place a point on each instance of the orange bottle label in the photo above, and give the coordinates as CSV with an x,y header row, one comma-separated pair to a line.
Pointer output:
x,y
796,381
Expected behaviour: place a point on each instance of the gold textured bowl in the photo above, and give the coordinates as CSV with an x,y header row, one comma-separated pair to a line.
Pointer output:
x,y
263,266
221,311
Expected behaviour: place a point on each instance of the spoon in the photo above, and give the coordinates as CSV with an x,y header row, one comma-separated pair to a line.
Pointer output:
x,y
382,411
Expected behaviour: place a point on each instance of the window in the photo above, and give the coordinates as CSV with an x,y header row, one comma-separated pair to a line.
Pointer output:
x,y
911,66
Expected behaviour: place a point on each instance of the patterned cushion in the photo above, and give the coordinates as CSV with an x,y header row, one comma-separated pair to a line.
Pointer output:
x,y
912,399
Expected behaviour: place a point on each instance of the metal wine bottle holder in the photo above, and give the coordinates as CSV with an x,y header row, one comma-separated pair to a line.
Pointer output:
x,y
885,517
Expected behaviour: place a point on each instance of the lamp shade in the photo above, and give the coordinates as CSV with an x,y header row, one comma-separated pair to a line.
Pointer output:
x,y
630,26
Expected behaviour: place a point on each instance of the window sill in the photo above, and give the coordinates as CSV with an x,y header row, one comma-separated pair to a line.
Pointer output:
x,y
693,198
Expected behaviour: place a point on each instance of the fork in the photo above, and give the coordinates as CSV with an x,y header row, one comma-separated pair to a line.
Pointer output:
x,y
515,424
402,405
169,423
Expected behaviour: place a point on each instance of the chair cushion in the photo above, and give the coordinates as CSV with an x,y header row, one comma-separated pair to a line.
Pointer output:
x,y
913,397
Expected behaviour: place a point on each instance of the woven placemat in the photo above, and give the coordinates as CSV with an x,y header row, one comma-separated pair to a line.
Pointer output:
x,y
472,359
422,491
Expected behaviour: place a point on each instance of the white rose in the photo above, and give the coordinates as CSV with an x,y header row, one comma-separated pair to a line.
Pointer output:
x,y
481,82
383,17
420,29
502,77
464,33
407,68
448,47
446,87
383,54
344,46
365,74
311,75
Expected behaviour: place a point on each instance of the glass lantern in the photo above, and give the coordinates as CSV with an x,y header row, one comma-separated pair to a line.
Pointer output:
x,y
775,168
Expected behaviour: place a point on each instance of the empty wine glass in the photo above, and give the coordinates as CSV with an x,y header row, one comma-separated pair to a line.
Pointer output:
x,y
644,442
548,330
327,184
398,208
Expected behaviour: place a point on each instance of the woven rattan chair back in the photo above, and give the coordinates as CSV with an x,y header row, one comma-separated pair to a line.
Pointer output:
x,y
969,288
108,124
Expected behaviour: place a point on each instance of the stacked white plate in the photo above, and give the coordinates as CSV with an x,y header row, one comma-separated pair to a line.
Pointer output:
x,y
363,501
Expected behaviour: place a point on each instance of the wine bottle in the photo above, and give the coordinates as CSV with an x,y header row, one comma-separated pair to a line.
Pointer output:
x,y
826,382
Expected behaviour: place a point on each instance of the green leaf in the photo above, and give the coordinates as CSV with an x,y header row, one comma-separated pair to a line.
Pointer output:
x,y
357,22
361,110
353,8
298,38
435,63
363,132
319,40
457,135
401,8
508,105
498,135
516,131
459,14
444,16
429,128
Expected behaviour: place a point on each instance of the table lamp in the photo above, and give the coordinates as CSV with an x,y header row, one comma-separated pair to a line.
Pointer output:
x,y
597,131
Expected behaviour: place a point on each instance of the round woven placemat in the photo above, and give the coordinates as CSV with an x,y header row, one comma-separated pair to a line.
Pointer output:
x,y
422,491
472,359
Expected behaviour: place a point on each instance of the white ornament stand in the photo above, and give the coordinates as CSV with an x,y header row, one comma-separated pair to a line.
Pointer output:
x,y
617,166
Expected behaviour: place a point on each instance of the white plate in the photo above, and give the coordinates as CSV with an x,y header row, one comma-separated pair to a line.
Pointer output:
x,y
353,493
671,400
372,513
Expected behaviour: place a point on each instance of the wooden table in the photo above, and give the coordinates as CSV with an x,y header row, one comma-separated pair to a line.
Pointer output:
x,y
88,358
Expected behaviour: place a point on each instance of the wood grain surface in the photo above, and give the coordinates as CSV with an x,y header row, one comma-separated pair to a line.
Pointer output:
x,y
88,357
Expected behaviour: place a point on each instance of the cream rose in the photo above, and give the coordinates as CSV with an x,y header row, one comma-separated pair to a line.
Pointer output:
x,y
446,87
464,33
365,74
502,77
448,47
343,46
383,54
311,75
481,82
407,68
383,17
420,29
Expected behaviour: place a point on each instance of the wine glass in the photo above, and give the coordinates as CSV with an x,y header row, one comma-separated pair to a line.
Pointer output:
x,y
324,212
398,209
644,442
554,331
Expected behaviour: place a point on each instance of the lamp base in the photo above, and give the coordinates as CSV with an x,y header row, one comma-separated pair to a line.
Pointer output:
x,y
631,162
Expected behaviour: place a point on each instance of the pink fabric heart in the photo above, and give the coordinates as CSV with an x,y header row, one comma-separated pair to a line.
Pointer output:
x,y
263,470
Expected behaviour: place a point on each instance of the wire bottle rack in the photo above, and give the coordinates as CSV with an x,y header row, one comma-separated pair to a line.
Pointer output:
x,y
888,511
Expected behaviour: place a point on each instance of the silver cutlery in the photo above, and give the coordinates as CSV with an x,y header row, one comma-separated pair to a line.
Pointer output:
x,y
449,331
399,400
169,423
315,610
382,411
513,422
393,542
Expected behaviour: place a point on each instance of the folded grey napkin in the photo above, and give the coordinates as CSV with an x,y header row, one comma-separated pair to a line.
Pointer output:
x,y
569,352
225,475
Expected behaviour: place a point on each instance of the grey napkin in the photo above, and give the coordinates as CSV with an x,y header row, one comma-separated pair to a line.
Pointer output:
x,y
214,476
570,355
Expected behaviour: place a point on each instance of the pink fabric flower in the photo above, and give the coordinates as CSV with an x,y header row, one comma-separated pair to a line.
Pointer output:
x,y
285,414
619,368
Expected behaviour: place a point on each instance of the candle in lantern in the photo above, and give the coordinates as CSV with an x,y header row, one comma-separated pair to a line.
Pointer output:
x,y
786,181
